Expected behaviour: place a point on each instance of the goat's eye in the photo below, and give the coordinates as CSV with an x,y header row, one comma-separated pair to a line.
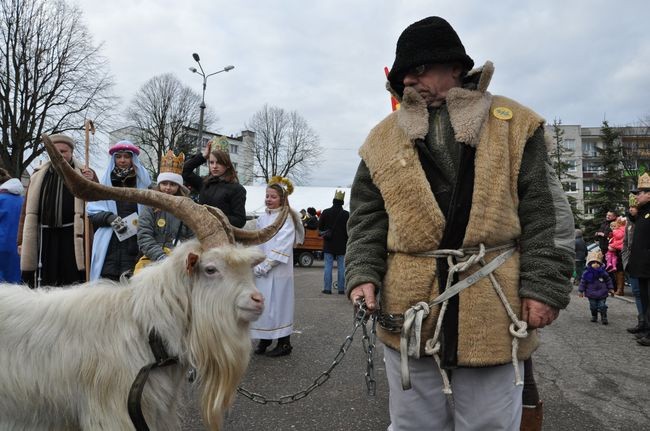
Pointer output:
x,y
211,270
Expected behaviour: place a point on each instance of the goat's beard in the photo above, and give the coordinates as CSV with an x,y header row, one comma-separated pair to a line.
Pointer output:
x,y
220,347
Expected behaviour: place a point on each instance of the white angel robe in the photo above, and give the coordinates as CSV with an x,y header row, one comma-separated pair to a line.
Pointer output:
x,y
277,285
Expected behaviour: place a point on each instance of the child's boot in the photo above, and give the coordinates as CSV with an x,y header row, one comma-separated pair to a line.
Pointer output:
x,y
603,317
594,315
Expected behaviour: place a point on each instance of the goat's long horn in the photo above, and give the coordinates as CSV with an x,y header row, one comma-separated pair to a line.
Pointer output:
x,y
208,229
254,237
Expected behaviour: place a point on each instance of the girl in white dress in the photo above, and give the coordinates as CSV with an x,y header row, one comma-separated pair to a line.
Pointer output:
x,y
274,276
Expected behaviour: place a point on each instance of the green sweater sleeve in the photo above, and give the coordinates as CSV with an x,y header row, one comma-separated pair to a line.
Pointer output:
x,y
547,233
365,257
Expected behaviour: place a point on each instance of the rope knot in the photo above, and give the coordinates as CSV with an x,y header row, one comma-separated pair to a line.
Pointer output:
x,y
519,329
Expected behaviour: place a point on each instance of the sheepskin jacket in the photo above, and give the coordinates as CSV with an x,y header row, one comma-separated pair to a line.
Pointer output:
x,y
394,215
29,229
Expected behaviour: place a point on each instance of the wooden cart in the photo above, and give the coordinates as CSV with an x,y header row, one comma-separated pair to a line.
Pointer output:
x,y
311,249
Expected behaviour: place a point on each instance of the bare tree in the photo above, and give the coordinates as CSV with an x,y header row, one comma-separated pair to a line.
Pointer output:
x,y
284,144
160,112
52,77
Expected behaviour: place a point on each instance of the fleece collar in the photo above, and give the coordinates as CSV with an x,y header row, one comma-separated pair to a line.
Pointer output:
x,y
468,107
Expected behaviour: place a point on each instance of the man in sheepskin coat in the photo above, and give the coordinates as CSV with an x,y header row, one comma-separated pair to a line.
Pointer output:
x,y
455,194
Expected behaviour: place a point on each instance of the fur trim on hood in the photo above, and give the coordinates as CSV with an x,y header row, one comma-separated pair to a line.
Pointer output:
x,y
13,186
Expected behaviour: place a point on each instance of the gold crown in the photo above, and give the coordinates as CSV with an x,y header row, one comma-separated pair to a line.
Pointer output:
x,y
220,144
644,182
632,200
172,163
339,195
594,256
283,182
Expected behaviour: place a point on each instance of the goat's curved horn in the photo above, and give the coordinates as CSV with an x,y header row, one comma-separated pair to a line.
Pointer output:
x,y
208,229
254,237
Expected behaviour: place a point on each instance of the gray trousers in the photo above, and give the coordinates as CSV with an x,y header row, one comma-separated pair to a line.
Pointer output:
x,y
485,398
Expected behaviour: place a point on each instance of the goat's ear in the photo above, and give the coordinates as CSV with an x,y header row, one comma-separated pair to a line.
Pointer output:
x,y
257,260
191,262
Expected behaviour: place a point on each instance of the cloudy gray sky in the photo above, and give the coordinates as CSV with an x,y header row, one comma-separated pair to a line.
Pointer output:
x,y
580,61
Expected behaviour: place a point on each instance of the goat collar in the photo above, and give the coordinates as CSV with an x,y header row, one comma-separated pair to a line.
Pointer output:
x,y
135,394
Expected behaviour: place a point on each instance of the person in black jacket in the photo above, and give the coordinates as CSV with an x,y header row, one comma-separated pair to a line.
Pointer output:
x,y
220,188
332,228
639,262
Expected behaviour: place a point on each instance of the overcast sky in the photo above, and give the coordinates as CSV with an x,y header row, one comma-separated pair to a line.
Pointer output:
x,y
578,61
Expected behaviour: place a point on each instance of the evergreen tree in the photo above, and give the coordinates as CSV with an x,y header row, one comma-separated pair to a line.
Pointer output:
x,y
611,194
560,156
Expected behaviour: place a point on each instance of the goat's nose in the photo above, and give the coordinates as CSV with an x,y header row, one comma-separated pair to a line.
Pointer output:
x,y
257,297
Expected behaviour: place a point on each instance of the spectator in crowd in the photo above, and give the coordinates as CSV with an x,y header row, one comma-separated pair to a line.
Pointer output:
x,y
625,257
312,223
274,276
115,246
406,228
639,262
220,188
159,231
11,202
332,227
613,258
596,284
603,233
581,256
51,232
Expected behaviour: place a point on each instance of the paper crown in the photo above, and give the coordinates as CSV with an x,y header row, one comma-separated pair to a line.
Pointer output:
x,y
339,195
594,256
283,182
172,163
220,144
632,200
644,182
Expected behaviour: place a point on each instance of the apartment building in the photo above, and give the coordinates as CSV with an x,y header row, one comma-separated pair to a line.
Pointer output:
x,y
581,144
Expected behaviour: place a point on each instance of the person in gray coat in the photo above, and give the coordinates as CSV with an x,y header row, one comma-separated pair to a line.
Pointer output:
x,y
159,231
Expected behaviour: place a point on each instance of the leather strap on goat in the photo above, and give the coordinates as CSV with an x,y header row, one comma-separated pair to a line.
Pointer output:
x,y
135,394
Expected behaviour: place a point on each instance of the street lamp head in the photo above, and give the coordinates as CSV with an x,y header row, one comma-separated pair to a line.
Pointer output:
x,y
196,57
228,68
193,70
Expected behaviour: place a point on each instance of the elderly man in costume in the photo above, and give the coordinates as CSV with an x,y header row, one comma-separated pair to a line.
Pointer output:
x,y
460,237
638,265
51,232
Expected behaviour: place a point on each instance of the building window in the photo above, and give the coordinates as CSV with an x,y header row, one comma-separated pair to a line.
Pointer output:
x,y
571,187
571,165
233,149
589,149
569,144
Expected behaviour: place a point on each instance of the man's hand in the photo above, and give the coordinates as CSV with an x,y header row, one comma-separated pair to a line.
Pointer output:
x,y
87,173
537,314
364,291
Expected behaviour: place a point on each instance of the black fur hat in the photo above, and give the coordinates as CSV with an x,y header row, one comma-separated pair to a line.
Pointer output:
x,y
431,40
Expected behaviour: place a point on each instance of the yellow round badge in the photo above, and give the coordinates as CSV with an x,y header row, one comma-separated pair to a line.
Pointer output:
x,y
502,113
161,222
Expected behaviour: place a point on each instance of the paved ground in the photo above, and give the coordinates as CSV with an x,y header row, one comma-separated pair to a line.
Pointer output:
x,y
591,377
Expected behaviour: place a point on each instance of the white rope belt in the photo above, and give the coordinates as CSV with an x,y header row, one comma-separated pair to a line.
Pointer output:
x,y
410,336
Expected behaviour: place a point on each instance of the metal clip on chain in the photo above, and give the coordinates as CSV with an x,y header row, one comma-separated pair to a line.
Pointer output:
x,y
360,319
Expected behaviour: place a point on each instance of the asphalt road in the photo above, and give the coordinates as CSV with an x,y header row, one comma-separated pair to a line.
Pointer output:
x,y
590,376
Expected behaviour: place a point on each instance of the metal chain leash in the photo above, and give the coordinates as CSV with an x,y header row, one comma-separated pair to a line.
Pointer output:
x,y
360,319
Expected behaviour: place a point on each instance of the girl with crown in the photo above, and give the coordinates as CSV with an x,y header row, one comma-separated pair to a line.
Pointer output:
x,y
274,276
220,188
159,231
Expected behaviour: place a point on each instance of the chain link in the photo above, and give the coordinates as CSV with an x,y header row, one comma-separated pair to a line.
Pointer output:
x,y
361,318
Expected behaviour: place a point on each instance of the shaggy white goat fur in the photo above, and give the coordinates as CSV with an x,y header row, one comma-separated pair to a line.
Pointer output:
x,y
68,356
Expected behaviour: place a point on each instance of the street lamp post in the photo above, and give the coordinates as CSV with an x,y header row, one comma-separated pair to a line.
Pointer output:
x,y
202,105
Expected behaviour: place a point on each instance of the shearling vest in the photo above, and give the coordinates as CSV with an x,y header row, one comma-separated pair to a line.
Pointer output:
x,y
416,223
31,228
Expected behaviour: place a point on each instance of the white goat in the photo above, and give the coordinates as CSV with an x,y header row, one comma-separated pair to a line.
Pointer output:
x,y
70,355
